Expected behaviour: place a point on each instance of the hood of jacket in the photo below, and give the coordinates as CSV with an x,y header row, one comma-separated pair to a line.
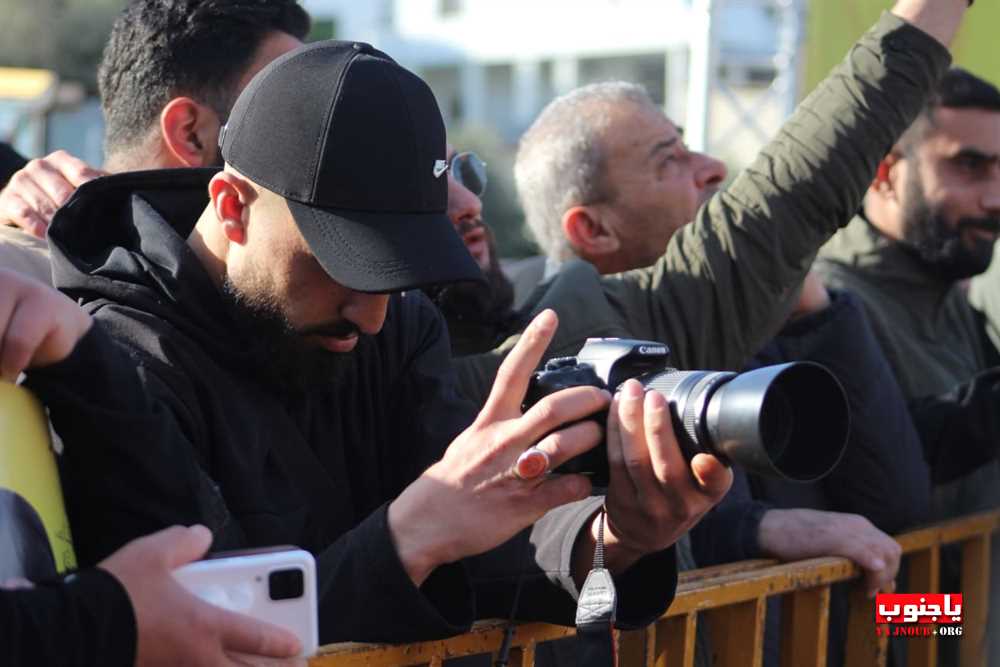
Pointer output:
x,y
123,239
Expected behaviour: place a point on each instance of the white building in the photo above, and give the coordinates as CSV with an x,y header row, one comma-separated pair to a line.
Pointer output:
x,y
497,63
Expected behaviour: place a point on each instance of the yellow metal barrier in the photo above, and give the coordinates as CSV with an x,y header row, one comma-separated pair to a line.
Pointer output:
x,y
731,598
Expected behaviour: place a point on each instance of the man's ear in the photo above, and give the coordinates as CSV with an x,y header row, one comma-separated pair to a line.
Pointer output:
x,y
190,132
886,175
587,232
231,196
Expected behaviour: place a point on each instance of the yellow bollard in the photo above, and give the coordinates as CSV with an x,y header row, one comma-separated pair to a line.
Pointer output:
x,y
28,468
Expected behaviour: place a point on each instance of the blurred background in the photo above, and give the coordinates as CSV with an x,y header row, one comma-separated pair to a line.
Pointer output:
x,y
728,71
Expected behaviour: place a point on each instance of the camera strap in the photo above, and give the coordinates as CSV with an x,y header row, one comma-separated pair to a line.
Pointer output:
x,y
595,611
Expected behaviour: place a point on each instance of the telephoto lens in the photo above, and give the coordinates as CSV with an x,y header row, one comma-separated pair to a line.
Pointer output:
x,y
789,421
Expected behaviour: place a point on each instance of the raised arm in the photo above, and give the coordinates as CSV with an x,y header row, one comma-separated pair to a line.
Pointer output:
x,y
727,282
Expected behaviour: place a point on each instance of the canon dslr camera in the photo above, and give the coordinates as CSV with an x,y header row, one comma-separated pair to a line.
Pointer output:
x,y
789,420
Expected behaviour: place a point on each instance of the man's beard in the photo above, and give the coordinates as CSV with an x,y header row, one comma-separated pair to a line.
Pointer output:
x,y
283,355
940,246
478,315
476,302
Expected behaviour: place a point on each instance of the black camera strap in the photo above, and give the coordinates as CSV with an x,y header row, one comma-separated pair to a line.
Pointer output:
x,y
595,611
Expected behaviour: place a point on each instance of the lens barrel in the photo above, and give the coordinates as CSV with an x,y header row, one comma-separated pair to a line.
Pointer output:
x,y
789,420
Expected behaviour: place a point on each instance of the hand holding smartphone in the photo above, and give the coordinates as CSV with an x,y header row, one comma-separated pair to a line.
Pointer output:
x,y
276,585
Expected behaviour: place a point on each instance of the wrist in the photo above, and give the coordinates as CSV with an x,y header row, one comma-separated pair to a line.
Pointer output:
x,y
767,528
794,534
619,555
417,555
940,19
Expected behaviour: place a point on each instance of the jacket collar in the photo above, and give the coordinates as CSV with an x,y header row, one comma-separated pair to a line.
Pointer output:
x,y
863,248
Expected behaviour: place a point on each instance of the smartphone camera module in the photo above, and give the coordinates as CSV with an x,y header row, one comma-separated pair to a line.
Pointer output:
x,y
286,584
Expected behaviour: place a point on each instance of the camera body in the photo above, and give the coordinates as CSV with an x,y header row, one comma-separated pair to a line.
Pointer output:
x,y
276,584
789,420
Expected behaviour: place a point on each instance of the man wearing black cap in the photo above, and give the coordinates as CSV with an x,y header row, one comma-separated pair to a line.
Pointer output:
x,y
287,392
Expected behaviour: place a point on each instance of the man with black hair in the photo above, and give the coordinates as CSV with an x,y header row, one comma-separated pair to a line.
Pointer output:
x,y
295,387
170,73
479,315
929,223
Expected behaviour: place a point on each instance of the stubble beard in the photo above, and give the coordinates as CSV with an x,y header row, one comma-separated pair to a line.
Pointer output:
x,y
939,245
286,359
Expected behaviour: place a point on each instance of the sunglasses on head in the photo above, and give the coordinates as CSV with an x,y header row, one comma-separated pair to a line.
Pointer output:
x,y
469,171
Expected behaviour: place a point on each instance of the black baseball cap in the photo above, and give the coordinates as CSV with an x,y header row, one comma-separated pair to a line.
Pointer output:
x,y
356,145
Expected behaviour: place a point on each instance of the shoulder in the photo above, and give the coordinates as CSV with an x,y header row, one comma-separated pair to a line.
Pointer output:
x,y
170,363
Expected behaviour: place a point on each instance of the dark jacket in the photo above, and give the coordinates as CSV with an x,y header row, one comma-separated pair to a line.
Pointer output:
x,y
882,475
85,619
10,162
170,419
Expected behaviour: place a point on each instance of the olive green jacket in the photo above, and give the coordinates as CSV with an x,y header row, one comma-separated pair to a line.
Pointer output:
x,y
927,328
728,281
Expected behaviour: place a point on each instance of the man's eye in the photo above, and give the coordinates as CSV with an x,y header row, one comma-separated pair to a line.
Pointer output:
x,y
970,163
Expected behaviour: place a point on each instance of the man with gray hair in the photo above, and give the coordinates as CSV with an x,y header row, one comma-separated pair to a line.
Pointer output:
x,y
580,178
606,178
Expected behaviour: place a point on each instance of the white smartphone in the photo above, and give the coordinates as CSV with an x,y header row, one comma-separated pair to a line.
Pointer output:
x,y
277,585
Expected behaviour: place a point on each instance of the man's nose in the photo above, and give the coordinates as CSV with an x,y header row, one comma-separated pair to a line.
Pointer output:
x,y
366,311
463,204
710,172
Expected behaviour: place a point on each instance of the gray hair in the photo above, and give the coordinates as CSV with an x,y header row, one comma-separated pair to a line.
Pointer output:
x,y
561,158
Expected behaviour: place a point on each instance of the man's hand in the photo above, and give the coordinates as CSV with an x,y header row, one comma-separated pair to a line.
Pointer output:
x,y
173,626
654,495
812,298
38,325
472,500
938,18
35,193
802,533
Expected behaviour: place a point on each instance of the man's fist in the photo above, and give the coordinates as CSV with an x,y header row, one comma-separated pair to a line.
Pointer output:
x,y
38,325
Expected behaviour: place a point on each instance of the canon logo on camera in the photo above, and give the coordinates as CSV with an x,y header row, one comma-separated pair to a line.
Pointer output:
x,y
647,349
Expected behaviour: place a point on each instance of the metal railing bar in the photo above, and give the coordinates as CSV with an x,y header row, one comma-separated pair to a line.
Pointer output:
x,y
743,587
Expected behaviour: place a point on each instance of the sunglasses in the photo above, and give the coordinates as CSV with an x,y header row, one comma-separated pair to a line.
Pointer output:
x,y
469,171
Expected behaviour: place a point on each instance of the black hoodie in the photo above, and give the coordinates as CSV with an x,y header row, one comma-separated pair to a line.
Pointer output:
x,y
167,419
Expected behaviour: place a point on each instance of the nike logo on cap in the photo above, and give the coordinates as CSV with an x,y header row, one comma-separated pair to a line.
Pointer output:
x,y
440,166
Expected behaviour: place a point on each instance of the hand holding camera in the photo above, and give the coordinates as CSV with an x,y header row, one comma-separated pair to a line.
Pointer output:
x,y
788,421
654,494
473,499
485,490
